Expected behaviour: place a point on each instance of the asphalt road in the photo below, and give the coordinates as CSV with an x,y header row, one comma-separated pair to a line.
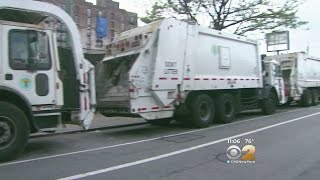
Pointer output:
x,y
286,145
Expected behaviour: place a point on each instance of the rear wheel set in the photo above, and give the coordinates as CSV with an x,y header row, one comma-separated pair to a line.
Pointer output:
x,y
225,108
204,109
306,98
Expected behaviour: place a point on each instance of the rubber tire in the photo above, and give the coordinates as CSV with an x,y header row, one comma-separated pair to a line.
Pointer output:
x,y
21,128
194,106
315,97
269,105
306,98
160,122
180,118
222,115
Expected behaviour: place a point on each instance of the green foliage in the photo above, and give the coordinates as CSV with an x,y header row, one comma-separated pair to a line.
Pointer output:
x,y
154,14
241,16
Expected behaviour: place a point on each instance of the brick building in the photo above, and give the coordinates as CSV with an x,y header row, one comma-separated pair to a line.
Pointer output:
x,y
85,15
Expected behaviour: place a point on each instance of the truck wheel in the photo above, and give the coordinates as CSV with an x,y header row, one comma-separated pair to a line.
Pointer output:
x,y
306,98
315,97
160,122
225,108
269,105
202,111
14,131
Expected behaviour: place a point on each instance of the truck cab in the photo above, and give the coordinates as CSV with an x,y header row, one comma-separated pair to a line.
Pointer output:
x,y
299,74
273,78
41,85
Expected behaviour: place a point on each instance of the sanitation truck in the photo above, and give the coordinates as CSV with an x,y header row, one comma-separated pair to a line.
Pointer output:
x,y
297,76
171,69
41,85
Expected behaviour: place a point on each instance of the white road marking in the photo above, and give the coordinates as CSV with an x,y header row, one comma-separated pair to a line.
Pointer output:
x,y
92,173
141,141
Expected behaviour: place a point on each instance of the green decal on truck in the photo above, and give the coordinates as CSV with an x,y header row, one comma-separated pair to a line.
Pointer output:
x,y
25,83
214,49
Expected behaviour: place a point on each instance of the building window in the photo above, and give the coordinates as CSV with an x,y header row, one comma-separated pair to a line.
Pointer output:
x,y
122,27
112,33
63,6
100,14
121,18
88,21
99,43
112,24
63,27
89,12
132,19
76,19
76,10
88,43
58,36
112,16
63,36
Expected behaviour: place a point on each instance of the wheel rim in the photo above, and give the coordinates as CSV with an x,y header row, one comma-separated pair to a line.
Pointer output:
x,y
204,111
7,131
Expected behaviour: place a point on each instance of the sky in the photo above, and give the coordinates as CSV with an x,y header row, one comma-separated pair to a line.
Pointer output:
x,y
300,39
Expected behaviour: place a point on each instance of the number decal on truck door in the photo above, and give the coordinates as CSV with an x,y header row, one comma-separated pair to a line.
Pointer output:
x,y
170,68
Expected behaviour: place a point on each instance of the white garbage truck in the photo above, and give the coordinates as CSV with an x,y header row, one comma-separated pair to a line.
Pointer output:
x,y
296,76
172,69
41,85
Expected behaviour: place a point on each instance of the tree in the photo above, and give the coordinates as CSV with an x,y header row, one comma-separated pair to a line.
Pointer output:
x,y
240,16
154,14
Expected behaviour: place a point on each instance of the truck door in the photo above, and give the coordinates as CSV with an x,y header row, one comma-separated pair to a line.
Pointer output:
x,y
29,68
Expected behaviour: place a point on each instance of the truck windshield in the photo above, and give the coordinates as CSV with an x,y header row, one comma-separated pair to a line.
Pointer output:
x,y
28,47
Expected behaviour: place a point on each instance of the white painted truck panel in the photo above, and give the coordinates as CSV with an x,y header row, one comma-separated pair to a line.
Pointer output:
x,y
177,53
203,59
220,61
304,71
169,62
24,81
308,71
